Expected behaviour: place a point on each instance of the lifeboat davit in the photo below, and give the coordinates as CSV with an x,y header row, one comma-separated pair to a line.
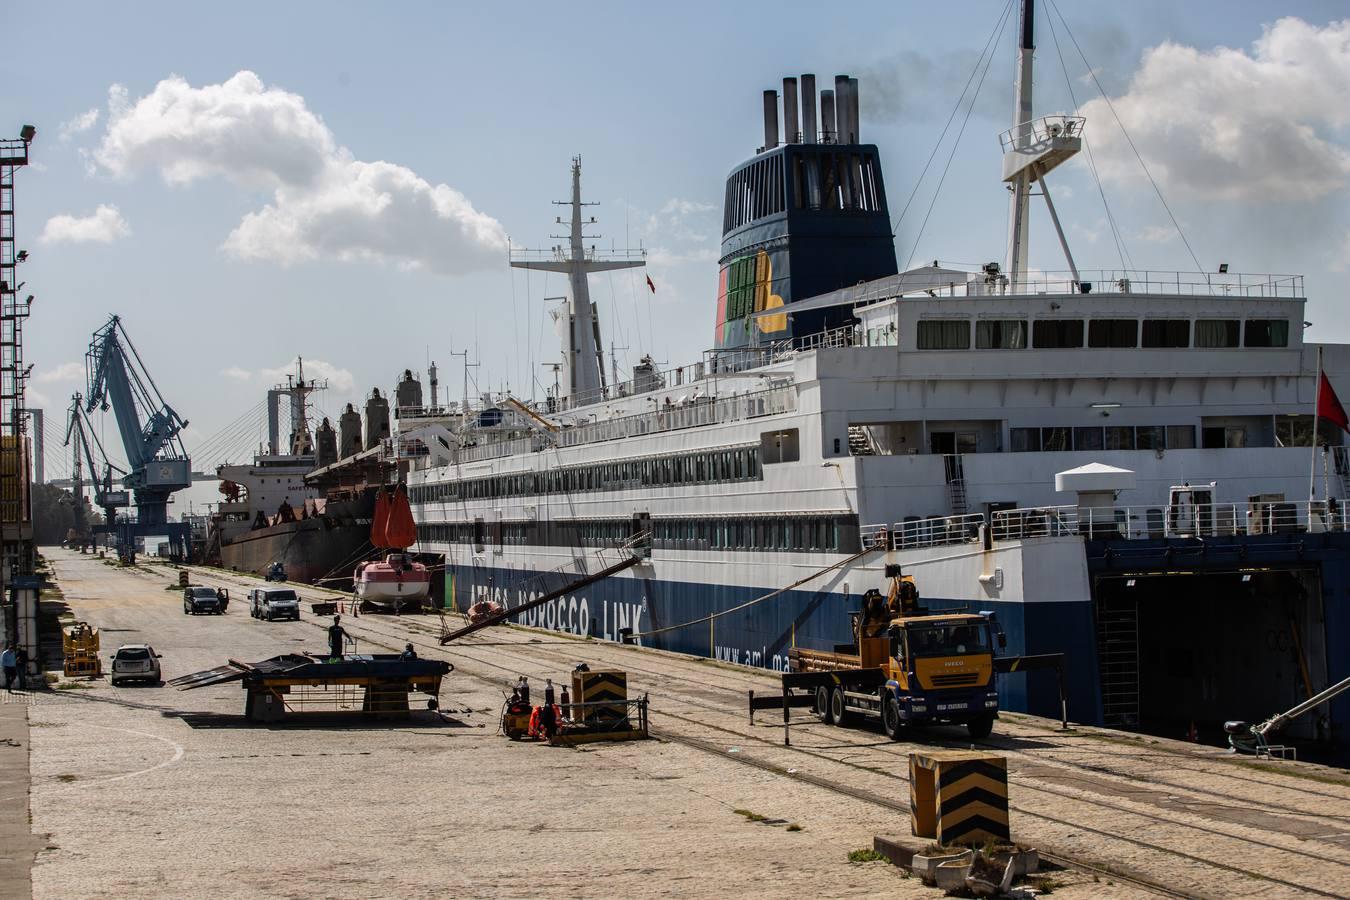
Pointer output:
x,y
398,580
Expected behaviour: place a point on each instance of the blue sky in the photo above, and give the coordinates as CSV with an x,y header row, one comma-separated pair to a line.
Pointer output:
x,y
231,246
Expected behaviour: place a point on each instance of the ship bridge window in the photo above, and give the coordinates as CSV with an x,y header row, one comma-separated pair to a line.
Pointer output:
x,y
1267,333
1113,333
1053,334
779,446
1170,333
1119,437
1001,334
1024,439
944,334
1217,332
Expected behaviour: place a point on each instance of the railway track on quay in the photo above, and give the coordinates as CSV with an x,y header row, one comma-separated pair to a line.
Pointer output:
x,y
1208,855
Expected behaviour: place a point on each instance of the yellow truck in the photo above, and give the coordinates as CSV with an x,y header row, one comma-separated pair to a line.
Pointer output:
x,y
907,665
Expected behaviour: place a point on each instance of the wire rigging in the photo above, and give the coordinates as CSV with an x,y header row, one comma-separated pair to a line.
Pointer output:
x,y
956,143
1116,234
956,107
1123,130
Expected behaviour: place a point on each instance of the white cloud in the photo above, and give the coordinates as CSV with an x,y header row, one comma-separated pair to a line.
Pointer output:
x,y
104,226
80,124
67,371
325,203
237,373
1230,124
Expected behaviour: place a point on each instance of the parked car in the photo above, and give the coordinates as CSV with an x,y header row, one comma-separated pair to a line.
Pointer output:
x,y
198,598
276,572
273,603
135,662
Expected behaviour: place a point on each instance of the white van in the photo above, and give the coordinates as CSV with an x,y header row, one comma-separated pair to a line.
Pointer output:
x,y
273,603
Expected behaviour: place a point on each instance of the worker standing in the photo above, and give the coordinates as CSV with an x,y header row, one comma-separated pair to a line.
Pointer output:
x,y
523,689
10,665
336,635
548,713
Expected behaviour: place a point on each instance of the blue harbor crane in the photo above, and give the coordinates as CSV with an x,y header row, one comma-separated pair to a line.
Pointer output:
x,y
79,434
157,463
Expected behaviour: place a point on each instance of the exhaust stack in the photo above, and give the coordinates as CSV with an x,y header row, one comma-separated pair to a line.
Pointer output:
x,y
770,119
853,110
791,133
827,120
843,129
808,109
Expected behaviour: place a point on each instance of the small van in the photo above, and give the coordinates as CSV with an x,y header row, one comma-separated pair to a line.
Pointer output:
x,y
273,603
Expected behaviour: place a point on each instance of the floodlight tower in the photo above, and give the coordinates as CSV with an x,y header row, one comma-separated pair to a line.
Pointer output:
x,y
16,518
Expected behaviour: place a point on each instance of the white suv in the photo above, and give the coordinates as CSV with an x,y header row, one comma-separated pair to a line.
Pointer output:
x,y
135,662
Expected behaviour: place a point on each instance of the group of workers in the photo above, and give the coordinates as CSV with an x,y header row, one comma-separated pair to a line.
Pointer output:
x,y
546,719
337,638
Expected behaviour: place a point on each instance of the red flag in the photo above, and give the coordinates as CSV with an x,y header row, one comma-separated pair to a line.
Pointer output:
x,y
650,284
1329,405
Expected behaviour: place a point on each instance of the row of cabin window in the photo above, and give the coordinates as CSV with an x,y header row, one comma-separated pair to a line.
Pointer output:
x,y
746,533
1047,334
711,466
1109,437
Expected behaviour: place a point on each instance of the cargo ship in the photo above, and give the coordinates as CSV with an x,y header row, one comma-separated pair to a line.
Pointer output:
x,y
307,504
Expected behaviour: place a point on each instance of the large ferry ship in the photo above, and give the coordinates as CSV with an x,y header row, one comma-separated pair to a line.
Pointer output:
x,y
1116,463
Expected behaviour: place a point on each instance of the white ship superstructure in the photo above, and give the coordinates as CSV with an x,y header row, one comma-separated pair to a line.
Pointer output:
x,y
917,418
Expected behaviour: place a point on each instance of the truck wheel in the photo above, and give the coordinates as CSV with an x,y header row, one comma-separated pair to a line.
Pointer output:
x,y
890,719
980,727
823,704
839,713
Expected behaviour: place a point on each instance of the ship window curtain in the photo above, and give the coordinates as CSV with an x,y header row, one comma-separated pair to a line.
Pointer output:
x,y
1267,333
1217,332
1001,334
944,334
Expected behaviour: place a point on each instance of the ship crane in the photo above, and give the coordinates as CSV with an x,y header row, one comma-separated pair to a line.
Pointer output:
x,y
157,463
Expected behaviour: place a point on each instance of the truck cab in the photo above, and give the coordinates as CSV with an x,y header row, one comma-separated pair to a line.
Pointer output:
x,y
940,668
273,603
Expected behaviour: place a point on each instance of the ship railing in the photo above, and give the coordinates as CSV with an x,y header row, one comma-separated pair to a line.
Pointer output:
x,y
847,336
671,416
1114,282
1170,520
1040,131
916,532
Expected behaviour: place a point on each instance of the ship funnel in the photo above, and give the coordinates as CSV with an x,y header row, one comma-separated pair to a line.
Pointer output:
x,y
791,133
408,395
827,132
377,419
349,432
325,445
770,119
809,109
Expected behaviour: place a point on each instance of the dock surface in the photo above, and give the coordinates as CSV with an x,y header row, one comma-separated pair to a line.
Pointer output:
x,y
147,791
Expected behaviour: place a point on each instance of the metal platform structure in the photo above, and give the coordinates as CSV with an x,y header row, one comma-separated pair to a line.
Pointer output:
x,y
301,683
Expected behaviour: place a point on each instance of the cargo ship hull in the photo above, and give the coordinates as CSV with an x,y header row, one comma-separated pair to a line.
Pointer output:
x,y
320,549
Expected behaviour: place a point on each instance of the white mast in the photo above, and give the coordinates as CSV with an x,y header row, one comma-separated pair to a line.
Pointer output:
x,y
1018,212
583,353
